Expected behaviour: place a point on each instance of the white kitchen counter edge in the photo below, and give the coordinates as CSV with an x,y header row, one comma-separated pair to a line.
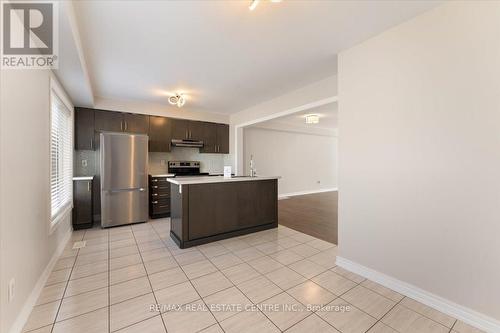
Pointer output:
x,y
164,175
215,179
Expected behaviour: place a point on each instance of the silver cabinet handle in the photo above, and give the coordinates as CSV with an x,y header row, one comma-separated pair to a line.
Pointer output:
x,y
154,194
88,186
142,189
155,186
91,144
154,202
154,180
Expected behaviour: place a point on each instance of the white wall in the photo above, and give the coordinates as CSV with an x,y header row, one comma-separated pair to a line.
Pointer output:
x,y
25,244
419,144
302,160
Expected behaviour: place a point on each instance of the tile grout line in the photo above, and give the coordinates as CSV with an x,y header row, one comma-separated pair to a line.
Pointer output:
x,y
262,274
219,270
67,283
192,285
150,284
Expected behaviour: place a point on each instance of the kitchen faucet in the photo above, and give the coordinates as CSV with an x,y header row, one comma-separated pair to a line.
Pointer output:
x,y
253,171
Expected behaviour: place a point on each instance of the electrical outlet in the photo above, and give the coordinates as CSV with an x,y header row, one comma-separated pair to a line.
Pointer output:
x,y
84,163
12,285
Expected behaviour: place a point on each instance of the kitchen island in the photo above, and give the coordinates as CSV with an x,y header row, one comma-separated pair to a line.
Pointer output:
x,y
207,209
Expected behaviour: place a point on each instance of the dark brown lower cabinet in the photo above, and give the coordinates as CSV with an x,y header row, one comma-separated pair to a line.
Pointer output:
x,y
82,204
159,197
202,213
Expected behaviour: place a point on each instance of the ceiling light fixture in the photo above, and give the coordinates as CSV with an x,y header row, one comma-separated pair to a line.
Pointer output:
x,y
177,99
312,119
254,3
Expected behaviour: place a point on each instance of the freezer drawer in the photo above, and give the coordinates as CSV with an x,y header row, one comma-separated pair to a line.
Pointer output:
x,y
124,207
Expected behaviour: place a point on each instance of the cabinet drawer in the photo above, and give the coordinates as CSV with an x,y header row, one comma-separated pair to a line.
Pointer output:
x,y
159,181
161,205
160,195
159,189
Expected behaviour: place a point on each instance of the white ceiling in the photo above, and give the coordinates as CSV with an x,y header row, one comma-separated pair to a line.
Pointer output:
x,y
328,117
328,121
225,57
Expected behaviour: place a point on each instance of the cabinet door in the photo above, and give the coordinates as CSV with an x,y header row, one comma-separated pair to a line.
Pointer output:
x,y
209,138
136,123
160,134
212,210
82,210
196,129
107,121
84,129
180,129
223,138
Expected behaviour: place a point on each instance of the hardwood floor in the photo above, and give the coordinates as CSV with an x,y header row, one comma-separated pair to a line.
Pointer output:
x,y
312,214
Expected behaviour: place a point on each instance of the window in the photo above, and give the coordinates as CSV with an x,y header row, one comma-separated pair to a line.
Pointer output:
x,y
61,156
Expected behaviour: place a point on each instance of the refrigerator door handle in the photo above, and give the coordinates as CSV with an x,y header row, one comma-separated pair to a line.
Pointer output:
x,y
141,189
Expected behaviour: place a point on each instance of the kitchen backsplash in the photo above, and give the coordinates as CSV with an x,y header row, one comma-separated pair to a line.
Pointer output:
x,y
211,163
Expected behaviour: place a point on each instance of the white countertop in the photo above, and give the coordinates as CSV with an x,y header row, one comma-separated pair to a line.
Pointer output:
x,y
215,179
164,175
83,178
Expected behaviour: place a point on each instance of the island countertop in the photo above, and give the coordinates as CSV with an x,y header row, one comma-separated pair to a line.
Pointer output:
x,y
216,179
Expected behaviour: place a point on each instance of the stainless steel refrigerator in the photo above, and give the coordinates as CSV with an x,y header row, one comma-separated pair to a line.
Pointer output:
x,y
124,178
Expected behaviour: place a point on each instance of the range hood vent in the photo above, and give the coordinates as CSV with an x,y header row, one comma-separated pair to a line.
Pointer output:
x,y
187,143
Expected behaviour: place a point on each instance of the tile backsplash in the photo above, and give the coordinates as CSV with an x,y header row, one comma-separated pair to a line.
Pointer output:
x,y
211,163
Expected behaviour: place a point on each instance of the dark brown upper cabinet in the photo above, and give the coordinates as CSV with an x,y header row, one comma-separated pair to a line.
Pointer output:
x,y
135,123
187,129
160,134
196,130
209,138
180,129
84,129
215,138
108,121
223,138
89,123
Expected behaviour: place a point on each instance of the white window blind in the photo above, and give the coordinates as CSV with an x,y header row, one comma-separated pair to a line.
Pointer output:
x,y
61,157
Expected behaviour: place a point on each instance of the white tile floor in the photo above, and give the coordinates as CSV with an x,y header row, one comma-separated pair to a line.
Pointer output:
x,y
135,279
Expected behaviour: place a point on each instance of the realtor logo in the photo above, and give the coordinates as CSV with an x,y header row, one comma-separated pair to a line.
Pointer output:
x,y
29,31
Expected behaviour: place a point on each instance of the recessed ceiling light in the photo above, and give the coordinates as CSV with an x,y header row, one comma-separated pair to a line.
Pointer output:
x,y
312,119
177,99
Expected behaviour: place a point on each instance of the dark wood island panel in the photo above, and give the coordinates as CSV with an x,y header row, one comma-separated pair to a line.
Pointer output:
x,y
207,212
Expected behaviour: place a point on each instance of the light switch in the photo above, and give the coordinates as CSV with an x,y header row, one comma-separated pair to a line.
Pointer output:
x,y
84,163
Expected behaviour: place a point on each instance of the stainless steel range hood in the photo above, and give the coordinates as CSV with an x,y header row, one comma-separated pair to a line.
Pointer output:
x,y
187,143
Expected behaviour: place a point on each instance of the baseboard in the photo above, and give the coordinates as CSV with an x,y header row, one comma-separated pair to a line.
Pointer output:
x,y
460,312
292,194
25,312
